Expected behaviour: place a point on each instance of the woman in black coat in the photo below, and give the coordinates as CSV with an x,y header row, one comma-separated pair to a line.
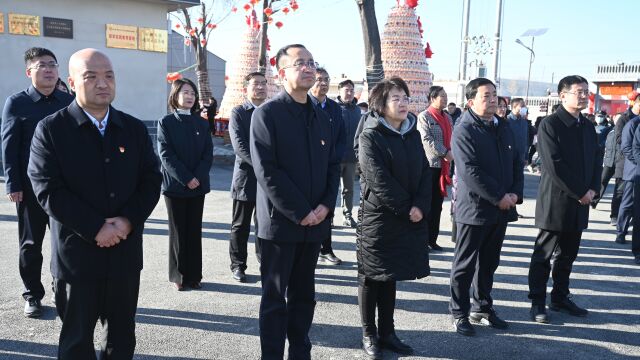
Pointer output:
x,y
186,152
396,198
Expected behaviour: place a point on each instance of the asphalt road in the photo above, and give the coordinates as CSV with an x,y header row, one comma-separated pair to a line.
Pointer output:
x,y
221,320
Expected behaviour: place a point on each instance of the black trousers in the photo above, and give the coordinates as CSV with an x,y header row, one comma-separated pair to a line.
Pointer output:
x,y
326,247
381,295
114,302
532,151
618,190
607,173
287,271
476,258
185,238
562,247
433,218
625,213
243,211
32,224
635,232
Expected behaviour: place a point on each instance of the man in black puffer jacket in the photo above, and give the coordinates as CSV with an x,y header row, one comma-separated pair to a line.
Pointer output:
x,y
490,183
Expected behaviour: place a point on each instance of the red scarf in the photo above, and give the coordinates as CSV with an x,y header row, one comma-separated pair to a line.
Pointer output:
x,y
445,125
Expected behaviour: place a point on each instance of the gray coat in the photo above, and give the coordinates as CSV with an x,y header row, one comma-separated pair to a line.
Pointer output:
x,y
610,147
432,138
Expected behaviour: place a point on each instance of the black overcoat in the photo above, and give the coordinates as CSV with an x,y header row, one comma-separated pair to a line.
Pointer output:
x,y
570,163
243,184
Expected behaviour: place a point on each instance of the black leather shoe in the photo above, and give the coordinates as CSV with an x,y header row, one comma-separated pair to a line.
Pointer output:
x,y
371,347
463,326
637,259
393,343
330,258
489,318
435,247
33,308
238,275
539,314
613,222
568,306
620,240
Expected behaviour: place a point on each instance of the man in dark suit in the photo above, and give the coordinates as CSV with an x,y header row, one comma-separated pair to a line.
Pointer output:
x,y
243,184
569,150
22,112
95,173
490,183
294,159
626,211
318,95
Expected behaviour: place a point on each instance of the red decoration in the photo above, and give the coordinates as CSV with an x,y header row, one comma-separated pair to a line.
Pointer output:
x,y
226,77
268,44
234,9
200,20
203,42
427,51
272,61
268,11
255,1
248,20
212,26
177,26
246,7
411,3
171,77
632,96
294,5
192,32
285,10
187,42
279,24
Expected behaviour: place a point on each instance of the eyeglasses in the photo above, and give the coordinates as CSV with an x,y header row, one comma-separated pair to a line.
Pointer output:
x,y
398,100
50,65
299,64
579,93
323,79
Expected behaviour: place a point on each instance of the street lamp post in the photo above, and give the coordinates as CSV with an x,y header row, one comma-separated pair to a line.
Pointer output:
x,y
533,33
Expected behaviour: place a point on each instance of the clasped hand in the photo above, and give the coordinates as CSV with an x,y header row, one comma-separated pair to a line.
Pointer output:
x,y
587,198
315,216
113,231
508,201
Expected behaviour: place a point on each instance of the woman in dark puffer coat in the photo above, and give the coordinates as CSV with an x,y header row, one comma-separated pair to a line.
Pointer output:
x,y
396,197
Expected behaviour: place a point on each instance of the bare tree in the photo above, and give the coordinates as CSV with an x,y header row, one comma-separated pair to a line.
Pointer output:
x,y
268,11
371,37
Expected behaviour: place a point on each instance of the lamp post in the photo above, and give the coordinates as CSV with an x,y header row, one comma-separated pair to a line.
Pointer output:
x,y
533,33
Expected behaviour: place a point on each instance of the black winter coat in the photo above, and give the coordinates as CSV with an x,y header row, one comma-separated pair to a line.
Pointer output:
x,y
351,116
570,159
186,151
488,166
243,183
622,121
396,177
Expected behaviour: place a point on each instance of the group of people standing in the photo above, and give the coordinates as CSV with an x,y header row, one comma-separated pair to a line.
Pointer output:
x,y
90,171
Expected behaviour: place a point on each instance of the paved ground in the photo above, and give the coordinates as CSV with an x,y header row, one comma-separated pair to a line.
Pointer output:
x,y
220,321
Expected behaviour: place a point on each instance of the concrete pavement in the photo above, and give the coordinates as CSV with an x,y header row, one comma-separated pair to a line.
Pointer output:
x,y
220,321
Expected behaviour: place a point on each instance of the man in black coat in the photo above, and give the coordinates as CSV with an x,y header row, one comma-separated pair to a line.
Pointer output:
x,y
626,210
351,116
294,159
22,112
95,173
635,235
318,95
490,183
569,151
243,184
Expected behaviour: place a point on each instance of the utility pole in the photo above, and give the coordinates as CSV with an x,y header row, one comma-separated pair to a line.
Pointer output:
x,y
462,73
496,54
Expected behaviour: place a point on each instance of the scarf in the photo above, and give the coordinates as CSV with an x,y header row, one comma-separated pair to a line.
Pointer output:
x,y
444,124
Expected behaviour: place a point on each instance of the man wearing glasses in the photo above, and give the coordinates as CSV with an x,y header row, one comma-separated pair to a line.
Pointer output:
x,y
295,162
568,147
318,95
22,112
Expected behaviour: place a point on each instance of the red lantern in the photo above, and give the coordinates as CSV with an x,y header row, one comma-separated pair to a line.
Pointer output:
x,y
234,9
427,51
268,11
171,77
187,42
177,26
285,10
272,61
212,26
246,7
192,32
411,3
200,20
294,5
279,24
203,42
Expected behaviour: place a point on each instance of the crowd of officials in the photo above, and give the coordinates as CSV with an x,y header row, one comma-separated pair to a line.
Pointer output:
x,y
89,171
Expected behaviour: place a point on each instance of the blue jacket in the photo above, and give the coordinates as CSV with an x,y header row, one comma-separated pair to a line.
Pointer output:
x,y
81,178
626,147
351,116
21,114
186,152
243,184
487,167
334,112
520,128
296,166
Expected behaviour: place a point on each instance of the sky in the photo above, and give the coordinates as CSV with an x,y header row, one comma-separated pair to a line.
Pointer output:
x,y
581,34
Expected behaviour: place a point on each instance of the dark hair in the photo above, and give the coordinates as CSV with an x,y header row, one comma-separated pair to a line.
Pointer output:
x,y
380,93
516,100
555,107
471,89
36,52
452,103
322,70
64,85
362,104
176,86
503,99
433,92
345,83
283,52
566,82
251,76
